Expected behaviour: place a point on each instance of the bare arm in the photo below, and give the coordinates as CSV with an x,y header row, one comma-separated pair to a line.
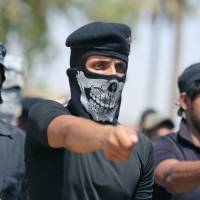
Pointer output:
x,y
83,135
178,176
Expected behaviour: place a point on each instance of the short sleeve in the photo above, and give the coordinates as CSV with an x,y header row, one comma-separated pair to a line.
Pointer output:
x,y
40,116
165,148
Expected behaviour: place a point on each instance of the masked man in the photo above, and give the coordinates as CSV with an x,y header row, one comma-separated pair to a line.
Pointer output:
x,y
81,151
177,156
12,166
12,89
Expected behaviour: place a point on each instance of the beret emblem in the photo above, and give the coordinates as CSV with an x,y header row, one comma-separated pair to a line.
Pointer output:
x,y
129,40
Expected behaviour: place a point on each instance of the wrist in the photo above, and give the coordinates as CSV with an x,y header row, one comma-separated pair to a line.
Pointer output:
x,y
104,134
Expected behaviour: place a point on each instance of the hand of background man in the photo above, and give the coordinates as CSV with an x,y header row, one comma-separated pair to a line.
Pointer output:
x,y
119,143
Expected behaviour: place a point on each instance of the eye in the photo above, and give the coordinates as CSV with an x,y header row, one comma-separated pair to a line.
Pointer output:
x,y
99,65
121,68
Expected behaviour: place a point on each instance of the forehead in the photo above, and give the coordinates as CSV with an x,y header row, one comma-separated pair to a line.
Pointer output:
x,y
103,58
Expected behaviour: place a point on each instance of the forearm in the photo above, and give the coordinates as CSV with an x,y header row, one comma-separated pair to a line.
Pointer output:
x,y
84,135
79,134
183,176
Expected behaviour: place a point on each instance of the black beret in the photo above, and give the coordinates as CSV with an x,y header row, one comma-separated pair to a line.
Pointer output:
x,y
189,75
103,36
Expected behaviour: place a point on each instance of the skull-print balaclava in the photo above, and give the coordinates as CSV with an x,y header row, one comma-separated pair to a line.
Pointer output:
x,y
95,96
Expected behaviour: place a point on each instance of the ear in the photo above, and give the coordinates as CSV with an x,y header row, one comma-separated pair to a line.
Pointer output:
x,y
184,101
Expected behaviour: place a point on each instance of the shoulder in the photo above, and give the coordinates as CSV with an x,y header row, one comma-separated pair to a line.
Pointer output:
x,y
170,138
166,141
14,139
166,147
47,105
41,115
46,110
8,129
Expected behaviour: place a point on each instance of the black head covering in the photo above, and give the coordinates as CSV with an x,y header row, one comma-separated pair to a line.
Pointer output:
x,y
2,67
97,38
189,75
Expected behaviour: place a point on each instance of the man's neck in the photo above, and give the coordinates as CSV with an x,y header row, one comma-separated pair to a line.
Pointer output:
x,y
195,136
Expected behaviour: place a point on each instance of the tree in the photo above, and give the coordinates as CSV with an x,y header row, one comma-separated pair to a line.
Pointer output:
x,y
174,11
125,11
27,21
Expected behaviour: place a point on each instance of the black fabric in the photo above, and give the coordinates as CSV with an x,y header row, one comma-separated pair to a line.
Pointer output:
x,y
37,128
0,96
189,75
175,146
78,56
100,35
62,174
27,103
2,67
12,166
2,56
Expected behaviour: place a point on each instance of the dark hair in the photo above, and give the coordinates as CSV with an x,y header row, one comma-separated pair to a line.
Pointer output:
x,y
146,113
192,92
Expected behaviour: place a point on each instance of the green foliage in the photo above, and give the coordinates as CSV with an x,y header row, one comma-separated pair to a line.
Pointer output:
x,y
27,19
124,11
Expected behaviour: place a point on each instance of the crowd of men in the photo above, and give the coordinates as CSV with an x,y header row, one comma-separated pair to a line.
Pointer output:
x,y
79,150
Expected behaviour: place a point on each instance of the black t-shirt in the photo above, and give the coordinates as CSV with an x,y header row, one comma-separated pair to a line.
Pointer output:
x,y
65,175
176,146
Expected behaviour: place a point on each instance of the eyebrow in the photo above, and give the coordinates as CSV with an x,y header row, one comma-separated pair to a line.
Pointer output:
x,y
106,60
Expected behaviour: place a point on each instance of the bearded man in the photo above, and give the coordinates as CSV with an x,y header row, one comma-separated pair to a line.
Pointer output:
x,y
177,156
80,151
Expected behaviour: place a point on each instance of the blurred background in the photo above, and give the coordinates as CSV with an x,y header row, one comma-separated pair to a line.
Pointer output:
x,y
165,35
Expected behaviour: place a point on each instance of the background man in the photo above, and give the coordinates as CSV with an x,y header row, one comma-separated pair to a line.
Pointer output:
x,y
177,171
80,151
12,175
154,125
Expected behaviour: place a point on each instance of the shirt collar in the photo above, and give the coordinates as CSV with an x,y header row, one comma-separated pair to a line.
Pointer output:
x,y
184,132
4,131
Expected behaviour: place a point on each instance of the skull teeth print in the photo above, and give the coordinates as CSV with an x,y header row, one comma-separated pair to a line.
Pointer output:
x,y
101,100
100,97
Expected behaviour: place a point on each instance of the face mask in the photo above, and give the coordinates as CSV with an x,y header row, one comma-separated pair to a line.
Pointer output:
x,y
99,95
11,106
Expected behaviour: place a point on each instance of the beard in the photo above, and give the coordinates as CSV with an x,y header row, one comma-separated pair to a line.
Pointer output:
x,y
195,120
